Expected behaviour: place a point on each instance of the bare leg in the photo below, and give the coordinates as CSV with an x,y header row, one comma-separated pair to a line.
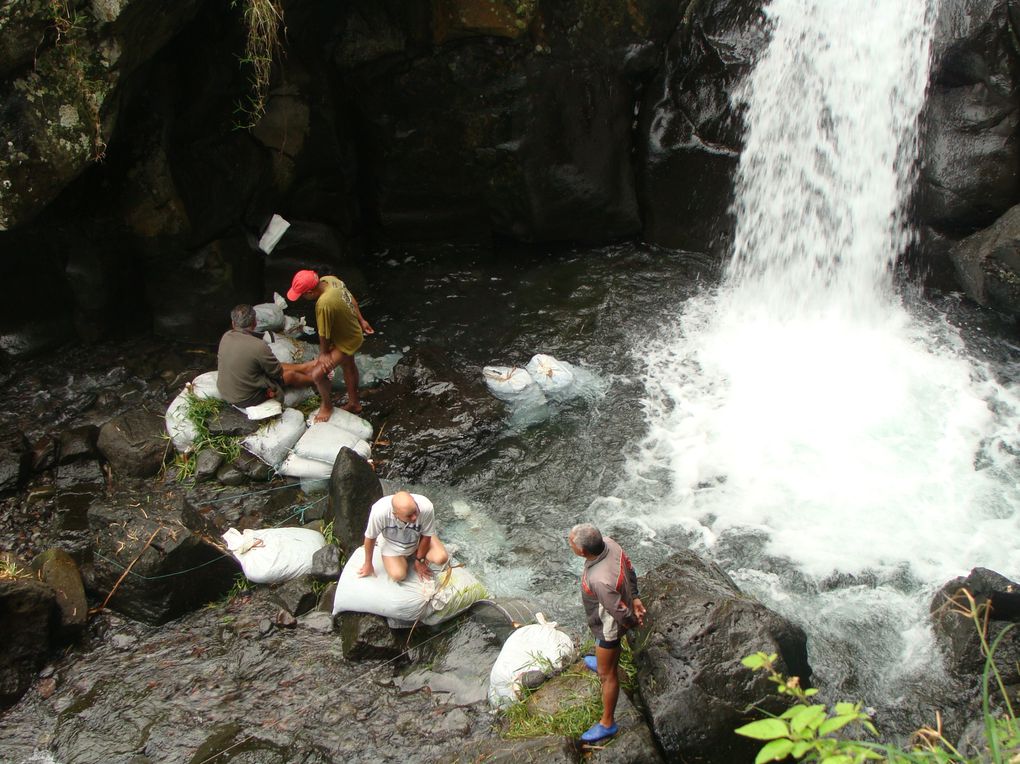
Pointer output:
x,y
321,381
396,567
437,553
607,660
297,375
351,379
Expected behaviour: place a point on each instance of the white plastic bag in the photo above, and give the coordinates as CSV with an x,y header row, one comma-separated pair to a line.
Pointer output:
x,y
274,232
509,383
273,441
346,421
180,429
273,555
538,646
269,315
289,350
264,410
556,378
204,386
323,442
447,593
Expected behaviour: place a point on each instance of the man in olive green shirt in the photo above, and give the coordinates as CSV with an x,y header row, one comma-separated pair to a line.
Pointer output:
x,y
341,328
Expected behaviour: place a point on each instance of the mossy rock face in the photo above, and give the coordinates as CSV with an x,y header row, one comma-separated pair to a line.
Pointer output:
x,y
56,568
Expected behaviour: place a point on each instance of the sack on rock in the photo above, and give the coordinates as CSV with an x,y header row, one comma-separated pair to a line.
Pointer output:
x,y
269,315
181,430
273,441
273,555
204,386
307,469
450,591
538,646
323,442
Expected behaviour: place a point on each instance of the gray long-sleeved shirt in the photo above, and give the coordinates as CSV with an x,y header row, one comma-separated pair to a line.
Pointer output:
x,y
609,587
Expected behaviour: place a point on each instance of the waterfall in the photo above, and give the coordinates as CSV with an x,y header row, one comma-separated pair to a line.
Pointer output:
x,y
832,443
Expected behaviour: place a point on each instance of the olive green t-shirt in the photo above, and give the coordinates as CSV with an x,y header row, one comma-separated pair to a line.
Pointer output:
x,y
336,318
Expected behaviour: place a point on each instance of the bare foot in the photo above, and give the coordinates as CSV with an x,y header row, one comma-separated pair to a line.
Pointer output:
x,y
354,408
324,413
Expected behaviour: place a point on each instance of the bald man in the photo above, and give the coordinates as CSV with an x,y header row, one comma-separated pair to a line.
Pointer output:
x,y
404,525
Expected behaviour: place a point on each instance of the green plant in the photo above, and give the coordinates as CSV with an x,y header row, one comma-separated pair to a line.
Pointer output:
x,y
184,466
241,586
571,719
9,570
263,19
811,732
310,404
199,411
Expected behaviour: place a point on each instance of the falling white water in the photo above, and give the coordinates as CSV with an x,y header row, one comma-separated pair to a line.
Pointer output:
x,y
805,427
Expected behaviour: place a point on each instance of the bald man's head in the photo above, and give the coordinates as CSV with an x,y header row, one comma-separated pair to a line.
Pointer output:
x,y
405,508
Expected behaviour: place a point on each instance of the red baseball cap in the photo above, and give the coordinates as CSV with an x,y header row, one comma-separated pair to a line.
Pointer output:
x,y
303,281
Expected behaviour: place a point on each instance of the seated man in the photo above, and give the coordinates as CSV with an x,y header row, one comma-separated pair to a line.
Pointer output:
x,y
249,373
405,525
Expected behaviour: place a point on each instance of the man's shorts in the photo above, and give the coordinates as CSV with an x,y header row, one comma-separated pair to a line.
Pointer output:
x,y
608,644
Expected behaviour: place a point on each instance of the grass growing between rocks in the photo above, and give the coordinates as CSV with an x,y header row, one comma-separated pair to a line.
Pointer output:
x,y
199,412
581,710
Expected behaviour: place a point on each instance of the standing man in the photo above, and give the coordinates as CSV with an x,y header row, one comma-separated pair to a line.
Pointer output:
x,y
609,593
341,328
247,371
405,526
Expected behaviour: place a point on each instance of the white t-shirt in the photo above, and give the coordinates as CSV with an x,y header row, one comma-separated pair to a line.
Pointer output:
x,y
397,539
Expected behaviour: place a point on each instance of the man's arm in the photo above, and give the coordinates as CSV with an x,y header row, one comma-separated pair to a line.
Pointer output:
x,y
368,569
365,326
614,604
421,565
636,603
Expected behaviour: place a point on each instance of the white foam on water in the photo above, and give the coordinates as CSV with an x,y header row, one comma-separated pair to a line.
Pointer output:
x,y
802,402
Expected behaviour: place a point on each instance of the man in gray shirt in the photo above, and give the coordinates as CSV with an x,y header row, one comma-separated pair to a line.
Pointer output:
x,y
612,604
247,371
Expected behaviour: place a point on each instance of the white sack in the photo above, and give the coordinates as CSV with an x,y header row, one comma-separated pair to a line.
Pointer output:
x,y
539,646
204,386
302,467
273,441
323,442
556,378
509,383
180,429
273,555
346,421
447,593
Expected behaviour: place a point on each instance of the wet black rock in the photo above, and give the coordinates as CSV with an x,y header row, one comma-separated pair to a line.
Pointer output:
x,y
31,619
958,635
207,463
988,264
134,443
326,563
441,416
367,636
58,569
15,458
353,489
229,421
253,467
689,672
295,597
173,571
78,443
554,749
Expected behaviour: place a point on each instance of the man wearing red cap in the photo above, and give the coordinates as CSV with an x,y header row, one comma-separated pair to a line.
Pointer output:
x,y
342,329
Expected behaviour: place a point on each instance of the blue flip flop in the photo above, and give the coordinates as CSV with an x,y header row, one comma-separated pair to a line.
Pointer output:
x,y
591,663
597,732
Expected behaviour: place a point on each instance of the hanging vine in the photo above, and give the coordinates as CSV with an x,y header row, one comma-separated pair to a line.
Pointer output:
x,y
264,22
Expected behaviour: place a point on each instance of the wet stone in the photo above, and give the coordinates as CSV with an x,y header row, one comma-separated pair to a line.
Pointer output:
x,y
295,597
207,462
74,474
317,620
326,564
230,421
44,454
230,475
253,467
367,636
56,568
78,443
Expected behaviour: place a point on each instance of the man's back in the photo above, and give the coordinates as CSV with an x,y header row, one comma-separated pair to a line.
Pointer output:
x,y
246,369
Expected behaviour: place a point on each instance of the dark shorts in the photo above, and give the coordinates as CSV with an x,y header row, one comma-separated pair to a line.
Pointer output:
x,y
608,644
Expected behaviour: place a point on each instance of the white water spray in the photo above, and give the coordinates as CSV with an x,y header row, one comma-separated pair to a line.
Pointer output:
x,y
804,425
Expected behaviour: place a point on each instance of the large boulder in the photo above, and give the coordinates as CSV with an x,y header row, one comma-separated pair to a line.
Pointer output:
x,y
155,568
441,415
353,489
988,264
31,619
690,134
694,686
969,146
134,443
958,634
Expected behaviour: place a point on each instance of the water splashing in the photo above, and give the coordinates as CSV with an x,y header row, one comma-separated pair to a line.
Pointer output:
x,y
807,427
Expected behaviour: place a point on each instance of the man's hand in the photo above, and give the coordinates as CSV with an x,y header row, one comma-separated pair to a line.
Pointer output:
x,y
422,569
639,611
366,327
325,362
366,570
